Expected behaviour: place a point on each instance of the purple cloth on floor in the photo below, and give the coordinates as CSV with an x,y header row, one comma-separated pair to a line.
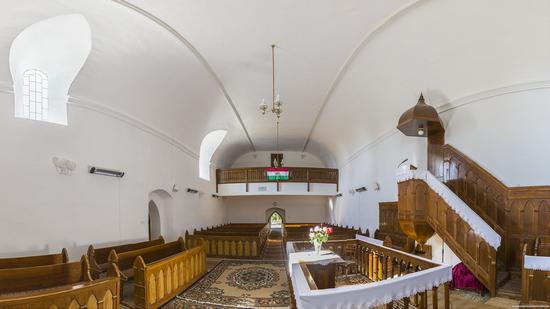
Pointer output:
x,y
463,278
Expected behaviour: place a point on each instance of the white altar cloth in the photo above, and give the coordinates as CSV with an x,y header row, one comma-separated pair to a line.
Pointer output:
x,y
359,296
537,262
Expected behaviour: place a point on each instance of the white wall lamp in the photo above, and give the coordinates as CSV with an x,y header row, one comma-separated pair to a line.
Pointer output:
x,y
376,186
339,195
192,191
361,189
64,166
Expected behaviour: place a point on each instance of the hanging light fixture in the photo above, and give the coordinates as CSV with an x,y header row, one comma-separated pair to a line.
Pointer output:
x,y
276,103
276,106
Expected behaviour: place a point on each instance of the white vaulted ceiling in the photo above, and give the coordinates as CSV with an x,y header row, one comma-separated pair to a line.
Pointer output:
x,y
346,69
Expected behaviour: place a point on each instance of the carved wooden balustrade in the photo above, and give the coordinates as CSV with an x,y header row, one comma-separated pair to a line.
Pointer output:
x,y
471,248
535,283
519,214
160,281
258,174
379,263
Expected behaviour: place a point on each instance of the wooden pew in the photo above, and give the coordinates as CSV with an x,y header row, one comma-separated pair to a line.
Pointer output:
x,y
65,285
99,257
37,260
232,240
125,260
158,281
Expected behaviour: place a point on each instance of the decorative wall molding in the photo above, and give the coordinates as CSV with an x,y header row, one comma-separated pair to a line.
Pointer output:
x,y
195,52
134,122
443,107
123,117
345,66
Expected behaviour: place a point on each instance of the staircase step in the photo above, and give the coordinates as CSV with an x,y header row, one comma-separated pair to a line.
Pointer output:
x,y
502,278
510,289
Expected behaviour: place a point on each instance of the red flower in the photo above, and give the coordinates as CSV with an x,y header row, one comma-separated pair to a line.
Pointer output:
x,y
329,230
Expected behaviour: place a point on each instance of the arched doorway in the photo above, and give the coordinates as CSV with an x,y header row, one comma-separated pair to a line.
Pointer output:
x,y
154,221
275,217
276,220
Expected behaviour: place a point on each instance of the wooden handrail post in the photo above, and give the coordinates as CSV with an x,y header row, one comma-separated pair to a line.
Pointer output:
x,y
434,297
447,304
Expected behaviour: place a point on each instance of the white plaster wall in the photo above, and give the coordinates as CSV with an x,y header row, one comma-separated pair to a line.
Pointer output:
x,y
43,211
290,159
251,209
508,134
377,163
441,252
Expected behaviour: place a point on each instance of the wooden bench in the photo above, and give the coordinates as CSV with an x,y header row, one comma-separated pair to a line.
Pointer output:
x,y
99,257
232,240
65,285
37,260
158,281
125,260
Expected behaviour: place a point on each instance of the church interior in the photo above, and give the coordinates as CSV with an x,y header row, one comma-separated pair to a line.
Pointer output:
x,y
327,154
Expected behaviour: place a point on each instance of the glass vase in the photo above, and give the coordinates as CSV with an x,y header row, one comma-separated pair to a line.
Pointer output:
x,y
317,245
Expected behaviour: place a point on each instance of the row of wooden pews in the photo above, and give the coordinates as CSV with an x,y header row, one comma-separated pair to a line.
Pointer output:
x,y
233,240
300,231
50,281
158,271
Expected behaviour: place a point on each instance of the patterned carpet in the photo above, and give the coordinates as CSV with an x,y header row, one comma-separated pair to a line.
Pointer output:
x,y
238,284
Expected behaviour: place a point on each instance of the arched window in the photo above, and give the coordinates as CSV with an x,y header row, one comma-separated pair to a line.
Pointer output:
x,y
209,144
45,59
35,95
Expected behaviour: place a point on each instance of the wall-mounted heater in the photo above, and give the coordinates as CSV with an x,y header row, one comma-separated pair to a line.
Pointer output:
x,y
105,171
192,191
362,189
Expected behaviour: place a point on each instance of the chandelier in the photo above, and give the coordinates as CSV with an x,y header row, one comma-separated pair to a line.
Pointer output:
x,y
276,104
276,109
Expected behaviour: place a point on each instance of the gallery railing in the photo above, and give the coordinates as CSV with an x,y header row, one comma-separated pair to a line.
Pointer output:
x,y
258,174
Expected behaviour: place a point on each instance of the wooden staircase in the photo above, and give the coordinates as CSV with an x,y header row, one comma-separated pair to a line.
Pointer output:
x,y
519,215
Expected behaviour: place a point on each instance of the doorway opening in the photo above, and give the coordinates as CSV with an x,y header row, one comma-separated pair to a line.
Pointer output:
x,y
154,221
276,220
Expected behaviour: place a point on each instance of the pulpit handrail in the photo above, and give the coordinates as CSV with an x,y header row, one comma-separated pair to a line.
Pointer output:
x,y
478,225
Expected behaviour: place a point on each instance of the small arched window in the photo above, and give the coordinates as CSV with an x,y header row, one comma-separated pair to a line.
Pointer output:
x,y
209,144
45,59
35,95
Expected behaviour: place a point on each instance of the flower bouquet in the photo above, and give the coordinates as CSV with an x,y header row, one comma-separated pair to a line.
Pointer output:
x,y
318,235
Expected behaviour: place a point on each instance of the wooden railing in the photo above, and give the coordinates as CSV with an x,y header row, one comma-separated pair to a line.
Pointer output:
x,y
519,214
160,281
471,248
379,263
535,283
258,174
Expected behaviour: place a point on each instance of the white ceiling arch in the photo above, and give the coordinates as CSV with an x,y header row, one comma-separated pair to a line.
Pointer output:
x,y
188,44
142,72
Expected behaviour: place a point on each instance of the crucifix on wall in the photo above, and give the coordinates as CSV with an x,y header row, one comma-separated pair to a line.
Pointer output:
x,y
276,160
